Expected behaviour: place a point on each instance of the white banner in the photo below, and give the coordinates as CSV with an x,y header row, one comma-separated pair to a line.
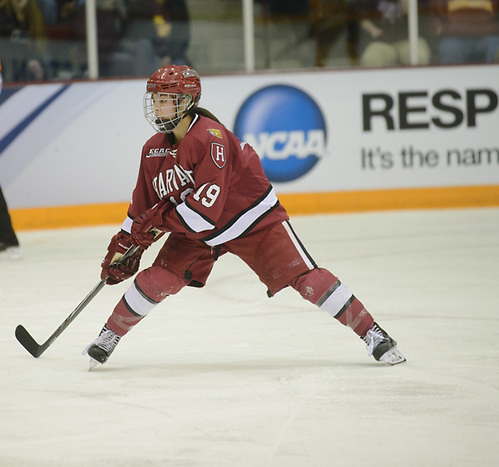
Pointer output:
x,y
316,131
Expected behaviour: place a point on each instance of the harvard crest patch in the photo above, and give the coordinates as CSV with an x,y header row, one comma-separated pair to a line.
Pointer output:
x,y
218,154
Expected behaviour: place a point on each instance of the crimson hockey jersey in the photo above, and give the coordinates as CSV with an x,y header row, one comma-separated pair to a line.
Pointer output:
x,y
215,185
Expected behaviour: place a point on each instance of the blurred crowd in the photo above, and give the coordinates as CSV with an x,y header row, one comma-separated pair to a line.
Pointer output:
x,y
376,31
46,39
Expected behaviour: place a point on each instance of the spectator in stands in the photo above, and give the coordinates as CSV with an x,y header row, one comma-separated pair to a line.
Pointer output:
x,y
158,34
58,11
330,20
9,245
22,32
49,10
287,30
468,30
111,20
385,23
59,18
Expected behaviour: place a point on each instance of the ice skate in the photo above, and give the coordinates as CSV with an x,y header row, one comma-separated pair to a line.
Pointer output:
x,y
382,347
101,348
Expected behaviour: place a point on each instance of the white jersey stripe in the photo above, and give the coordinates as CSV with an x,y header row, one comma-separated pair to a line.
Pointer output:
x,y
244,222
127,225
193,220
298,246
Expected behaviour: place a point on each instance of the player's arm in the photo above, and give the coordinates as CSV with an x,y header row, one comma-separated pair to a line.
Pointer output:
x,y
142,198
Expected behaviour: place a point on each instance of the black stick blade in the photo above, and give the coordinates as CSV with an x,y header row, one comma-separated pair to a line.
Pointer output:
x,y
25,339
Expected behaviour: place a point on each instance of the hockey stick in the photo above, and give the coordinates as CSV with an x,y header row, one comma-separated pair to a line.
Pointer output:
x,y
35,349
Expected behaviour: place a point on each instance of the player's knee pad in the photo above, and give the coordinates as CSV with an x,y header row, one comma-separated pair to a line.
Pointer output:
x,y
314,284
325,290
149,288
156,283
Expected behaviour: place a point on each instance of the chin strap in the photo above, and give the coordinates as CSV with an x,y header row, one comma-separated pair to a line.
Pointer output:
x,y
170,124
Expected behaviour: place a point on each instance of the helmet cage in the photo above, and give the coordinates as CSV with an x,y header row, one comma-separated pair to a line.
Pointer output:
x,y
153,101
179,83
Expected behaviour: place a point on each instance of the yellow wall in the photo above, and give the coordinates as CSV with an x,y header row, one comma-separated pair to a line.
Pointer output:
x,y
304,203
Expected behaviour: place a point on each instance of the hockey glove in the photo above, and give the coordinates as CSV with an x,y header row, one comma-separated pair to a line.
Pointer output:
x,y
146,228
114,273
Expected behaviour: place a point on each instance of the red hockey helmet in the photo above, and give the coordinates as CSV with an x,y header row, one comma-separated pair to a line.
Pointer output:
x,y
176,79
180,83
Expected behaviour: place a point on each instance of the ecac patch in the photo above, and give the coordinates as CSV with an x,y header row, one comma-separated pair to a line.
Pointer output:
x,y
286,128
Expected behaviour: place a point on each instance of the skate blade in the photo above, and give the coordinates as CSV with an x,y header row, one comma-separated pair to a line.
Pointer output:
x,y
93,364
393,357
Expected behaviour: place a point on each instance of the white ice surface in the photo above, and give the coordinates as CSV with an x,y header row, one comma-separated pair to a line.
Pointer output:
x,y
224,376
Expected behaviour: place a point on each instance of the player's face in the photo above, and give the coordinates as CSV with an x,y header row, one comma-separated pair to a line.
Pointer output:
x,y
165,110
165,105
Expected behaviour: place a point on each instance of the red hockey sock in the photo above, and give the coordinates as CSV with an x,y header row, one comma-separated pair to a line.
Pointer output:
x,y
122,319
355,316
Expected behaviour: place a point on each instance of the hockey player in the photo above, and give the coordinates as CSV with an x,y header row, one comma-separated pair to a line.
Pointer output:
x,y
198,182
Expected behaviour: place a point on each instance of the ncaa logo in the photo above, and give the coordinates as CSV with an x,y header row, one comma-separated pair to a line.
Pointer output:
x,y
286,128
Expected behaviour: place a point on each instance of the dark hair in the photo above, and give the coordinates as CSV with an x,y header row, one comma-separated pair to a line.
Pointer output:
x,y
205,113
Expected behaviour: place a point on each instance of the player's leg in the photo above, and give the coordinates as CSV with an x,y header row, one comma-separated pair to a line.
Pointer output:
x,y
281,259
180,262
150,287
9,244
325,290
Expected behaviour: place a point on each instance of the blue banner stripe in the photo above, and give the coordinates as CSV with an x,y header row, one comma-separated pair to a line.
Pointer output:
x,y
8,92
18,129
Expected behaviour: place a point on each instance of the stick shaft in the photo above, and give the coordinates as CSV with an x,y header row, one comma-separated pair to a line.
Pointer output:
x,y
35,349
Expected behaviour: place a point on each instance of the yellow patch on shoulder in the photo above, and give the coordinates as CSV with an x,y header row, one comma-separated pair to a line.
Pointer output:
x,y
216,133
